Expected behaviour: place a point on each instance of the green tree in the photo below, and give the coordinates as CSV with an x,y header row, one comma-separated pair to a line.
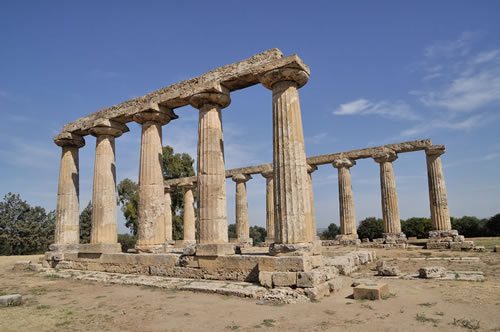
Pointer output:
x,y
419,227
258,234
128,197
371,228
493,225
330,233
231,231
24,229
469,226
86,224
127,241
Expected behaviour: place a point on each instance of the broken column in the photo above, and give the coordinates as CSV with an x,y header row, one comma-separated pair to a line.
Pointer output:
x,y
268,175
151,207
212,210
189,218
67,230
103,237
348,232
242,227
389,195
291,194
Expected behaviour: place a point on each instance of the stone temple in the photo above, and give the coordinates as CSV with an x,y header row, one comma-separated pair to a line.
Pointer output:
x,y
293,257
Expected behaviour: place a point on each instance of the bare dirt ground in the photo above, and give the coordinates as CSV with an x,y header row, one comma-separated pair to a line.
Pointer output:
x,y
416,305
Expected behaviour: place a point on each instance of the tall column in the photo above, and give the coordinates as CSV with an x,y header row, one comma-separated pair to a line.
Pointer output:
x,y
212,210
438,198
291,194
67,232
168,215
242,227
151,208
104,190
346,201
390,209
189,218
313,233
268,175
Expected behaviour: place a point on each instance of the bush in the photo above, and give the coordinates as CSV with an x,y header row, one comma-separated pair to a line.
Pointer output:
x,y
258,234
127,241
470,226
371,228
493,225
419,227
330,233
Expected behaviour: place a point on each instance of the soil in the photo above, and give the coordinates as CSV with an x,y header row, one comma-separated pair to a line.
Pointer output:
x,y
414,305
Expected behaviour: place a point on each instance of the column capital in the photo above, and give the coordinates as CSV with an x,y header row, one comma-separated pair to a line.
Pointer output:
x,y
108,127
298,76
239,178
167,189
343,163
67,139
435,150
219,99
385,156
311,168
268,172
155,113
187,185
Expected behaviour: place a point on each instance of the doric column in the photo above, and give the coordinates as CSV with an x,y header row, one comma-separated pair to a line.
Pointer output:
x,y
390,209
151,221
104,189
242,227
212,210
312,216
291,194
268,175
346,200
67,230
438,197
189,218
168,214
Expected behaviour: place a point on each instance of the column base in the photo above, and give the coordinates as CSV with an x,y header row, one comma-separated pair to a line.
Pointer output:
x,y
150,248
295,249
269,240
64,247
215,249
100,248
242,243
183,243
448,239
347,239
394,238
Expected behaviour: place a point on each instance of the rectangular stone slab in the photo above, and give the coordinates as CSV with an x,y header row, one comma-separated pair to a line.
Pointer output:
x,y
375,291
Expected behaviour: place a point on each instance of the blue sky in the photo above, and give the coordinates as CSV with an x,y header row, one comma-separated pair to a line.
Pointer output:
x,y
382,72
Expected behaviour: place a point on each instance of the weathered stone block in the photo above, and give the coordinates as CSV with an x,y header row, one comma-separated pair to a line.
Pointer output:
x,y
497,248
386,269
266,279
218,249
459,238
318,292
285,264
284,279
365,240
291,249
316,261
336,284
372,291
316,247
437,245
100,248
430,272
466,245
310,279
11,300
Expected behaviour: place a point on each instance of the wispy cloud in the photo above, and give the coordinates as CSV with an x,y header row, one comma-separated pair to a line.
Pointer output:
x,y
389,109
451,48
465,124
318,138
30,154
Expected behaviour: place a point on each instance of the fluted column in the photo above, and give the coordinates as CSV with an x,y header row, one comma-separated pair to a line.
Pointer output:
x,y
242,227
168,214
151,208
438,197
104,228
312,216
346,200
291,194
67,230
268,175
390,209
212,210
189,218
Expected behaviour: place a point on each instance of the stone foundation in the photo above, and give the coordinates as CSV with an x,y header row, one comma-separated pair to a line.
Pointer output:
x,y
448,240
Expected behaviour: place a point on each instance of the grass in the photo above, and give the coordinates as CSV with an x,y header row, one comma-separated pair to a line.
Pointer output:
x,y
268,322
388,296
233,327
427,304
424,319
469,324
43,306
487,242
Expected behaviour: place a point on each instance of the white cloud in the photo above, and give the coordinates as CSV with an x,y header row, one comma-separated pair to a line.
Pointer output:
x,y
484,57
451,48
466,124
389,109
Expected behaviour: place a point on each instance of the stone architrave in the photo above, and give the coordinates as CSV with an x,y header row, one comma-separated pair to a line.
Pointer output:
x,y
291,194
104,228
212,210
67,230
313,233
189,218
151,215
390,209
268,175
346,200
438,197
242,226
168,215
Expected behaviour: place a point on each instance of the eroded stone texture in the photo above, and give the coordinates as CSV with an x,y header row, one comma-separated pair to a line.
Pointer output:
x,y
390,209
104,189
291,194
212,212
67,229
311,220
242,227
168,215
269,176
346,200
438,197
189,218
151,221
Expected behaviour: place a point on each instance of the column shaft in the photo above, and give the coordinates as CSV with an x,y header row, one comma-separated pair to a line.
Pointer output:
x,y
390,209
189,218
242,227
168,216
312,230
269,206
438,197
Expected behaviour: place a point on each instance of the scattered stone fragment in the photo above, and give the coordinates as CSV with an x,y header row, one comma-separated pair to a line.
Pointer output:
x,y
497,248
11,300
386,269
370,291
431,272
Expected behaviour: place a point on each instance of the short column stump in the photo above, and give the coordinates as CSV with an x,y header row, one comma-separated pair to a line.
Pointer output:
x,y
372,291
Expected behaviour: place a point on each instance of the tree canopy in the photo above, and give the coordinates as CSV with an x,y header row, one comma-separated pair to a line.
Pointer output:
x,y
330,233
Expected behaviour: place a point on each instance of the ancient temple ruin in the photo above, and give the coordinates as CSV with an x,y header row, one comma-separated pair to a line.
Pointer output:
x,y
294,255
